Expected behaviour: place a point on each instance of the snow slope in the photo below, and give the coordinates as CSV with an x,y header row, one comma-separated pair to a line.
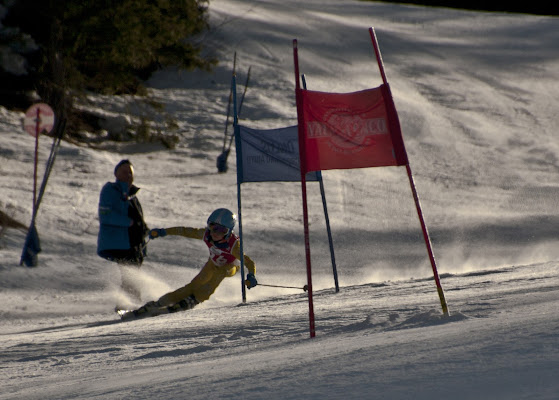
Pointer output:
x,y
477,99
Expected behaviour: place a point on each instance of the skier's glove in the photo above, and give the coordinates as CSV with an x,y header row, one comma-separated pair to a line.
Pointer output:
x,y
155,233
251,281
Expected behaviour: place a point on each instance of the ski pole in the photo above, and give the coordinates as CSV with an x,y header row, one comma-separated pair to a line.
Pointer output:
x,y
229,103
240,108
305,288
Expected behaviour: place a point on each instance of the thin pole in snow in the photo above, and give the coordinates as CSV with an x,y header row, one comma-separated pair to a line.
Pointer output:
x,y
325,207
304,188
390,102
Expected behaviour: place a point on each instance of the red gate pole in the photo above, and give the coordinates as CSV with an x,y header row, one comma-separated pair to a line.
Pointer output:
x,y
390,100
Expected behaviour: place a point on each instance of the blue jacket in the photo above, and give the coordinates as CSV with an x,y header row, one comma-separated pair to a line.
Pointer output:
x,y
118,209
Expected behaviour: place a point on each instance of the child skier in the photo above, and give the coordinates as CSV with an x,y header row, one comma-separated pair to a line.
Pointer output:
x,y
224,249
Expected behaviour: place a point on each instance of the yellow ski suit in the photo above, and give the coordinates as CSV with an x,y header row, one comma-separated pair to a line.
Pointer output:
x,y
219,266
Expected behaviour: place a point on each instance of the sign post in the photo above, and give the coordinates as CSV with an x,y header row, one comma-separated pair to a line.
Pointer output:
x,y
39,118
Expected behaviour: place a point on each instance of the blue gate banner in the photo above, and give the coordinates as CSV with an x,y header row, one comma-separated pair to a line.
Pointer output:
x,y
270,155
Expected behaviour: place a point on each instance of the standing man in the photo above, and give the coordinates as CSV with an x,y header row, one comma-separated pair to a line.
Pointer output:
x,y
122,229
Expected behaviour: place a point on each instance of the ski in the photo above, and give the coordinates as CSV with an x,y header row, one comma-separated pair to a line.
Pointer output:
x,y
146,312
127,315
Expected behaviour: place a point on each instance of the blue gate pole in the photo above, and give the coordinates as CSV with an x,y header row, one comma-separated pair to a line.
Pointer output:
x,y
323,195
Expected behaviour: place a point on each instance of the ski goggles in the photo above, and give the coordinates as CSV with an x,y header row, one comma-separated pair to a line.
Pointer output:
x,y
216,228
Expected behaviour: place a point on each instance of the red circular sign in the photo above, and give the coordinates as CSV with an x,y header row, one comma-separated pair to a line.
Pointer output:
x,y
38,118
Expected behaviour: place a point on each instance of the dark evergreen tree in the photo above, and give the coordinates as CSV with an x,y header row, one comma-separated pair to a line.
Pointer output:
x,y
105,46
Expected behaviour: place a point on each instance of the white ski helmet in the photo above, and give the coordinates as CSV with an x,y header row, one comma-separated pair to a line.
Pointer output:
x,y
224,217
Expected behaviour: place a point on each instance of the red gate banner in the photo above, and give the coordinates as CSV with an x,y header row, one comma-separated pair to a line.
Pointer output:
x,y
349,130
